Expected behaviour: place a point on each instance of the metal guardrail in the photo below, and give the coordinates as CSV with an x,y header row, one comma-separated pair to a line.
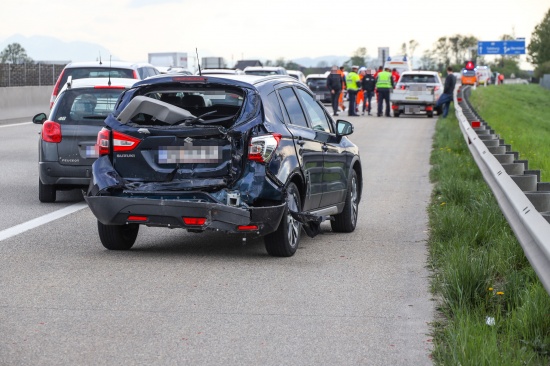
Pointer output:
x,y
526,210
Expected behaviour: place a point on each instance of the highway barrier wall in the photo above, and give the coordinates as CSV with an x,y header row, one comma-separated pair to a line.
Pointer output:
x,y
23,102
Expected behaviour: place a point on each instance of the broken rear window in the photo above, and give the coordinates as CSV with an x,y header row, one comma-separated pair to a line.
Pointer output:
x,y
187,106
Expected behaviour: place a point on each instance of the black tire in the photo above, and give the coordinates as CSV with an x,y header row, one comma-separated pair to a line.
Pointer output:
x,y
430,114
346,220
396,114
118,237
439,110
46,192
284,241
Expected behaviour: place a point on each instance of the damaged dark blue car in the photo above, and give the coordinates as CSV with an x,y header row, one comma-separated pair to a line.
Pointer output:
x,y
249,155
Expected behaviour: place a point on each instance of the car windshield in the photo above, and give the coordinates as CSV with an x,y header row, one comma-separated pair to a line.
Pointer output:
x,y
317,82
420,78
82,104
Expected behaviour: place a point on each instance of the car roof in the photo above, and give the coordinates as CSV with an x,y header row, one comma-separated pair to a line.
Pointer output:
x,y
319,76
92,82
108,64
238,78
220,71
419,72
264,68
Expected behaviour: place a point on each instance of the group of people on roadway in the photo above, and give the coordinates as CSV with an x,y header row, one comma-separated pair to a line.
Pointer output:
x,y
361,86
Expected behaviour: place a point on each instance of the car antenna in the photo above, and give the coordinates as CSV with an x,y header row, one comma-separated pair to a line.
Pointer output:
x,y
100,58
198,63
109,82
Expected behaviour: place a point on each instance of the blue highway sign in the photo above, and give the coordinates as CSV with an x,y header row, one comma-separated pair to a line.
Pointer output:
x,y
514,47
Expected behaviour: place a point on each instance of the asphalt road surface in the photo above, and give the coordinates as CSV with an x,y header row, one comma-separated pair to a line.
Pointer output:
x,y
180,298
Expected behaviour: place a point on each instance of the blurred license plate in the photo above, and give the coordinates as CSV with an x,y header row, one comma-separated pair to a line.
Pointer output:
x,y
189,154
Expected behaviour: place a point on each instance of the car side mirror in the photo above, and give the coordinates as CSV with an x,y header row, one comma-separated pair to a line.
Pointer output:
x,y
343,128
39,118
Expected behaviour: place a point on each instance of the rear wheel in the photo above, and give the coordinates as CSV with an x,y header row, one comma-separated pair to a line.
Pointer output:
x,y
346,220
430,114
396,113
117,237
284,241
46,192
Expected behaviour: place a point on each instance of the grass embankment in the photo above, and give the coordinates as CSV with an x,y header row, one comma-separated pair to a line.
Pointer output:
x,y
494,310
520,114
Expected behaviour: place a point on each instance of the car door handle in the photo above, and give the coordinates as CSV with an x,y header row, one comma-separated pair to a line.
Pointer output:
x,y
325,147
300,141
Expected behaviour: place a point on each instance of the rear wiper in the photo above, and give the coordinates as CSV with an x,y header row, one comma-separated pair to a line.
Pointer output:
x,y
199,120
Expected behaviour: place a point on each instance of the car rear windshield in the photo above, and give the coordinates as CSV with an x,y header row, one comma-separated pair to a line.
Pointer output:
x,y
420,78
317,83
96,72
79,105
468,73
212,105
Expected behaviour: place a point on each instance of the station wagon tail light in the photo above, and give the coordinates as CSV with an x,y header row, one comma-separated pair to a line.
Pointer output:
x,y
436,88
136,76
56,88
121,142
51,132
261,148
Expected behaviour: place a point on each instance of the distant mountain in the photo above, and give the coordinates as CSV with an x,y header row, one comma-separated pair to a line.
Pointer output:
x,y
42,48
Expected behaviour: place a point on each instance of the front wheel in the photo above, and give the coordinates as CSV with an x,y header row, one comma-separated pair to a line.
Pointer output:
x,y
117,237
346,220
284,241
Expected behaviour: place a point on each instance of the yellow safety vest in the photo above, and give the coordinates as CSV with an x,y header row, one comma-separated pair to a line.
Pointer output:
x,y
384,80
352,81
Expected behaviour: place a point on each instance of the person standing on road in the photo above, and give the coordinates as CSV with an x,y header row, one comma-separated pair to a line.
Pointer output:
x,y
367,84
448,91
334,84
384,85
341,98
353,83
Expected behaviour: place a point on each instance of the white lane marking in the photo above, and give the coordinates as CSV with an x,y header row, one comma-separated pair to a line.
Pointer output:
x,y
21,228
16,124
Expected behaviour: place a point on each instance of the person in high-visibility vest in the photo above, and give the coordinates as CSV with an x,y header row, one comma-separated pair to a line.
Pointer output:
x,y
384,85
353,83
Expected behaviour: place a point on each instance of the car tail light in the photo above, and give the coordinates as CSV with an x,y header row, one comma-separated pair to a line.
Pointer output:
x,y
403,87
394,107
429,108
136,76
436,88
198,221
138,218
121,142
261,148
247,227
51,132
56,88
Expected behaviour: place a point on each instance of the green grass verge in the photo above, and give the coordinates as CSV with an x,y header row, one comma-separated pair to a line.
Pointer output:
x,y
481,274
520,115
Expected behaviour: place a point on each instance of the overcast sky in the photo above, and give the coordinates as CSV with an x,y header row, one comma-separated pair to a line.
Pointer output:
x,y
130,29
